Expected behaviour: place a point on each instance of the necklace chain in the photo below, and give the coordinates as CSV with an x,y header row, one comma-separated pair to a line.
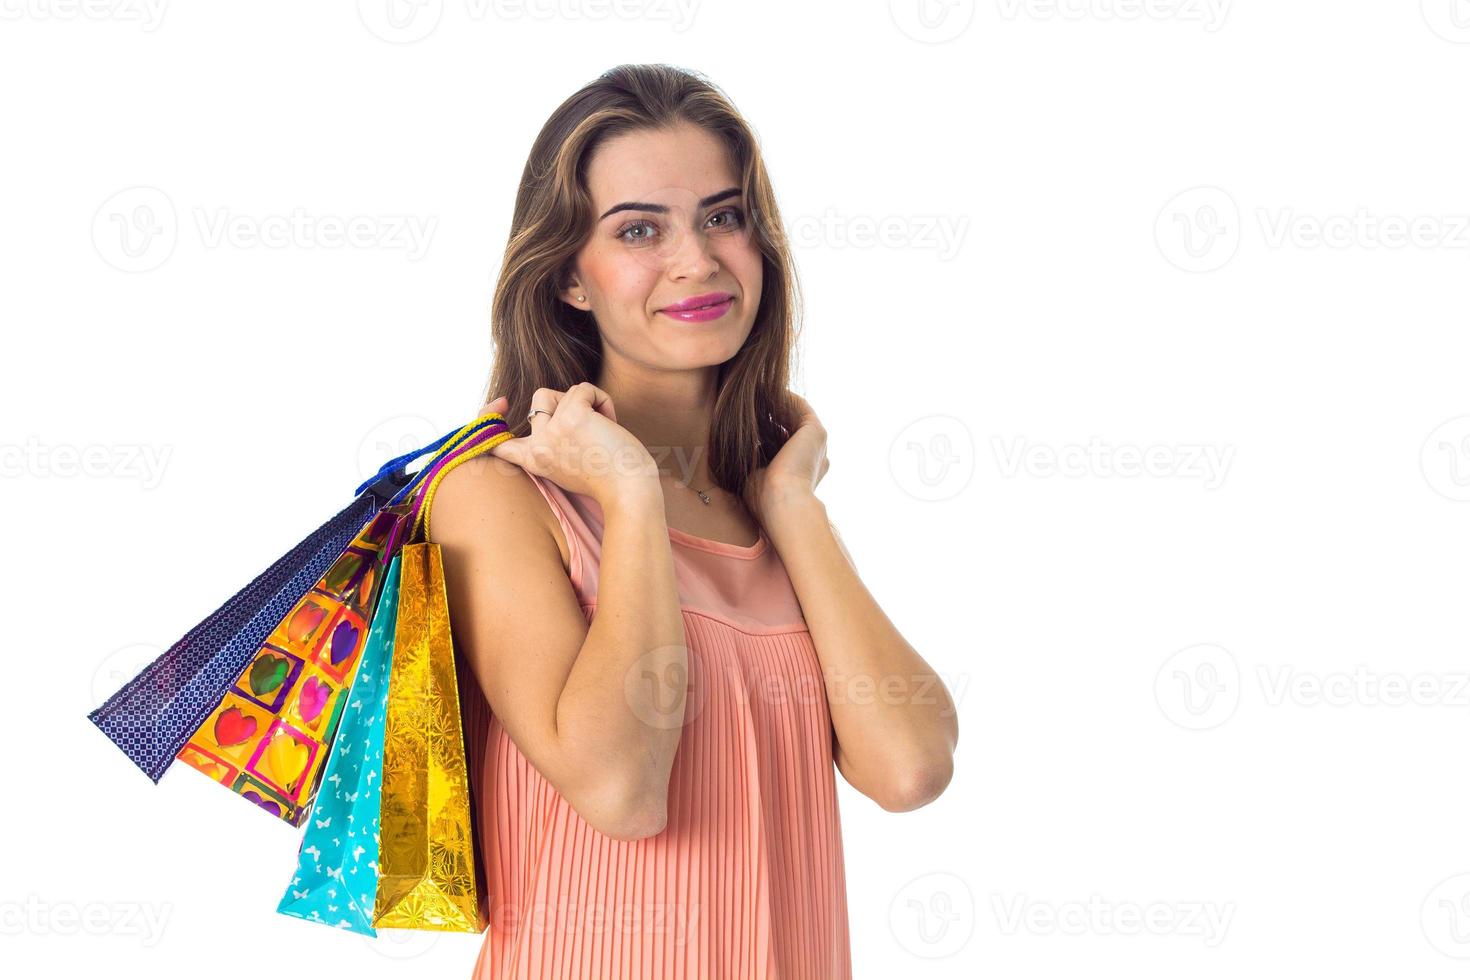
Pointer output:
x,y
702,494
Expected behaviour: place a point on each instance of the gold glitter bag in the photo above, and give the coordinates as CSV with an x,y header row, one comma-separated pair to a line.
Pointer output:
x,y
427,865
429,871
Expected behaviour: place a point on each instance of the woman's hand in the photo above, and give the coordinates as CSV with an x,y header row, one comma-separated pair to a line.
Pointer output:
x,y
796,469
576,443
499,405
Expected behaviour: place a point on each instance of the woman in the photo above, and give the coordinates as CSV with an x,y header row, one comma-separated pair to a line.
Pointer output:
x,y
673,643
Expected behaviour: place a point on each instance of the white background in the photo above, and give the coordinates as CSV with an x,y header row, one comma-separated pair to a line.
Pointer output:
x,y
1038,243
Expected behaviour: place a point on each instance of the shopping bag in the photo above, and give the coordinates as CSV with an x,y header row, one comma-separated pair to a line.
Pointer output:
x,y
343,894
428,874
152,716
429,871
268,736
336,877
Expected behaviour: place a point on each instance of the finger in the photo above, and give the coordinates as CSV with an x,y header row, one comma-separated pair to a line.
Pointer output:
x,y
516,451
497,406
599,400
546,400
507,449
803,407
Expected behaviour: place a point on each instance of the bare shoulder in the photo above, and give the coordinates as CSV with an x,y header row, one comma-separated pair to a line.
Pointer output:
x,y
486,492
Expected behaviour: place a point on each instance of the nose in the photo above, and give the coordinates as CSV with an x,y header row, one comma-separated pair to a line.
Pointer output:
x,y
690,257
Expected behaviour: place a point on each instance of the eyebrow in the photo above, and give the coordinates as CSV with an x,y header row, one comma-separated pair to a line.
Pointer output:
x,y
663,209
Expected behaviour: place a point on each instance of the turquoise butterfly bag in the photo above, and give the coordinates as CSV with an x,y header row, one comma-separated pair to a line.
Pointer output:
x,y
336,879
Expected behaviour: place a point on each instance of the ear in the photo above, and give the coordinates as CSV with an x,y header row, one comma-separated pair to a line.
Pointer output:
x,y
573,294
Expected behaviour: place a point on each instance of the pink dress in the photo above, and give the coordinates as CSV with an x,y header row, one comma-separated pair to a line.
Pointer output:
x,y
746,880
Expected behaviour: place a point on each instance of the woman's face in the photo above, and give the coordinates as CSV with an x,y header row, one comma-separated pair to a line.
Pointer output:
x,y
671,225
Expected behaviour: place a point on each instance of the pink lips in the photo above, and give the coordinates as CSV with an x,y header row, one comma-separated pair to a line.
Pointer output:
x,y
697,309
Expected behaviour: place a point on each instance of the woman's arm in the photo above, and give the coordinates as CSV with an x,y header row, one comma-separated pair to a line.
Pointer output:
x,y
894,722
590,705
624,695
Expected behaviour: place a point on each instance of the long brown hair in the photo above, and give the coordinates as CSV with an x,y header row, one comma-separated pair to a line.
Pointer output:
x,y
542,342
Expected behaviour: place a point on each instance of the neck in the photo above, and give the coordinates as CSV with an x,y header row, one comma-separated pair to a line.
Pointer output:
x,y
669,412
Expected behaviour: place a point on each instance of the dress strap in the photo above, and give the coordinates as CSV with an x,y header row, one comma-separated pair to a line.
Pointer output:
x,y
581,541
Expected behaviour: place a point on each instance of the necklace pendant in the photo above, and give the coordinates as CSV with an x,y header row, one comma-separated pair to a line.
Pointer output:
x,y
702,495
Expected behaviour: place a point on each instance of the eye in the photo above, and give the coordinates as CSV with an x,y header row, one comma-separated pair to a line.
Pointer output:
x,y
734,217
725,219
630,226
